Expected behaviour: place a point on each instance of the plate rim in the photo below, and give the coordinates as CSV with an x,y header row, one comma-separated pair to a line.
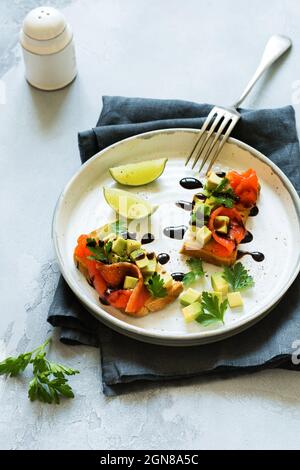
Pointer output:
x,y
156,337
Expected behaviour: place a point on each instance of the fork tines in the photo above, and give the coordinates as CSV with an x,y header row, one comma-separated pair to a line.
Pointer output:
x,y
212,136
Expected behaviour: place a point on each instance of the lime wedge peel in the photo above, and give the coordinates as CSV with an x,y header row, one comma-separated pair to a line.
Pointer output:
x,y
128,205
138,174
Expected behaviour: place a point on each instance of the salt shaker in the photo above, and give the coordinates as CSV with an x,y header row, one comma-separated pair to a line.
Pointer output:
x,y
48,49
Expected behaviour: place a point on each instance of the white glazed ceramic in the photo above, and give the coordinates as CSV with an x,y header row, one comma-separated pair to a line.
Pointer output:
x,y
48,49
82,208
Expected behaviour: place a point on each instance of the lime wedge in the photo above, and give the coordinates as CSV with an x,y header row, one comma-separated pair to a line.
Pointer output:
x,y
137,174
128,205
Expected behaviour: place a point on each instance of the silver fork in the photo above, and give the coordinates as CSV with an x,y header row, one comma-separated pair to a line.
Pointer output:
x,y
221,121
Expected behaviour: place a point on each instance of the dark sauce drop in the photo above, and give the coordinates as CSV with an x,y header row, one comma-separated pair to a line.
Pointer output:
x,y
176,233
141,256
256,255
90,281
187,206
200,196
254,211
190,183
103,301
147,238
163,258
221,174
248,238
177,276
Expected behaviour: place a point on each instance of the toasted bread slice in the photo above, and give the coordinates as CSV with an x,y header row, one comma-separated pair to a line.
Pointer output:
x,y
192,249
151,304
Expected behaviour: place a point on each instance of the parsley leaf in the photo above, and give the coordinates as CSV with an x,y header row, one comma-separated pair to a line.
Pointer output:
x,y
155,285
14,365
99,249
237,277
213,309
48,382
223,194
195,273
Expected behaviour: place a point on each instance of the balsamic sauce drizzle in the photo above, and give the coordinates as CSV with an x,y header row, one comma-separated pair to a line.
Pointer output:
x,y
254,211
185,205
163,258
248,237
147,238
256,255
190,183
175,232
178,276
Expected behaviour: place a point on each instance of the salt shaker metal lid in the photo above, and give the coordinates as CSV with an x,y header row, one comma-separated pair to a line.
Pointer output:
x,y
47,42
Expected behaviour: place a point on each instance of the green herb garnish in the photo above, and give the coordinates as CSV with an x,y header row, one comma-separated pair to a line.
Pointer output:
x,y
155,285
49,381
237,277
195,273
223,194
213,309
99,249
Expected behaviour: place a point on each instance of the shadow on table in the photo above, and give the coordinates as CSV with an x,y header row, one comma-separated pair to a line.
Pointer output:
x,y
49,105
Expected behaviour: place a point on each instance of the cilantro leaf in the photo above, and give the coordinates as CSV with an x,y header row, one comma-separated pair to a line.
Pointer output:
x,y
108,247
237,277
222,186
155,285
213,310
195,273
222,200
99,249
223,194
48,382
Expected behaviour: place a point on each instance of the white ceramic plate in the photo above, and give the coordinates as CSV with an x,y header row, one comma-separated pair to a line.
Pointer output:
x,y
82,208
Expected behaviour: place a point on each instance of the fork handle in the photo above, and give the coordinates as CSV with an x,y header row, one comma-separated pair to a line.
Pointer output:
x,y
275,48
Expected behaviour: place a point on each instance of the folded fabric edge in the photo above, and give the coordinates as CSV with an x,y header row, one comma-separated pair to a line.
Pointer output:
x,y
124,385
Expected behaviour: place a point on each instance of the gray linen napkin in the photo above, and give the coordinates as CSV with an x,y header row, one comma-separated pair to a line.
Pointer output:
x,y
268,344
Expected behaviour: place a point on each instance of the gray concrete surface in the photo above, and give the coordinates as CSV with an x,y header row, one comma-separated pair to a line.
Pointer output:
x,y
198,50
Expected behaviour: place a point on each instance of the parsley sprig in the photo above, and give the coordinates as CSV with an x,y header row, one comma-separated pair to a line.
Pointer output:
x,y
196,271
155,285
49,380
99,249
223,194
213,310
237,277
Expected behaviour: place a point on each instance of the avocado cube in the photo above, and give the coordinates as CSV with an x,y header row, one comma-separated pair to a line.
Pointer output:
x,y
213,181
130,282
136,254
191,312
140,258
113,258
119,246
235,299
212,202
189,297
221,223
150,268
167,278
219,284
142,263
203,235
133,245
